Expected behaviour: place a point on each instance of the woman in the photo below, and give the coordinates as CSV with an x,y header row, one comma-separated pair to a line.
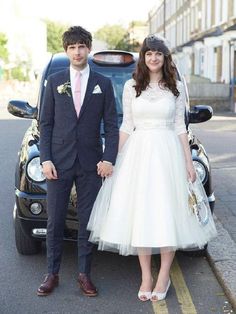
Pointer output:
x,y
143,208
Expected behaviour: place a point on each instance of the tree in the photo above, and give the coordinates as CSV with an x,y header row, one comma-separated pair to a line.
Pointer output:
x,y
136,23
3,48
114,35
54,35
137,31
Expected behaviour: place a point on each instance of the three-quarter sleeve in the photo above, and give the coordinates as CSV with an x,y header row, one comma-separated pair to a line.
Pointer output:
x,y
127,125
180,126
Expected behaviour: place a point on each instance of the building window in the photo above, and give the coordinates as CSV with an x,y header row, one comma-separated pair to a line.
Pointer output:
x,y
188,25
221,11
208,20
203,11
180,30
217,12
168,9
173,7
192,20
173,37
224,8
196,18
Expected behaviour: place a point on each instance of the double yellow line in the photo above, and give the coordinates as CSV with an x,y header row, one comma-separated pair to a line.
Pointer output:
x,y
182,293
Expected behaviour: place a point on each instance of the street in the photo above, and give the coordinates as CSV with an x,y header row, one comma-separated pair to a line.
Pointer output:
x,y
194,289
218,136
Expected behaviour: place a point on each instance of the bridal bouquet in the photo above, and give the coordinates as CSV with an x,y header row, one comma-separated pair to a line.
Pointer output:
x,y
198,202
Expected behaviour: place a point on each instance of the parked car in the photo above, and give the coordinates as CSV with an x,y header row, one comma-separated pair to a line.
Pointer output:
x,y
30,210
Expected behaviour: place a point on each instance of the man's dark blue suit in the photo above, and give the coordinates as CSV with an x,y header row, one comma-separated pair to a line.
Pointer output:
x,y
74,146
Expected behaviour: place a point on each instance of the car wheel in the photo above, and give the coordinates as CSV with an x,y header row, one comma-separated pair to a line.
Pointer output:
x,y
24,244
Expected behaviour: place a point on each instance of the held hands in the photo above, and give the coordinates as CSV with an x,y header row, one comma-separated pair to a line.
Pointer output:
x,y
104,169
49,170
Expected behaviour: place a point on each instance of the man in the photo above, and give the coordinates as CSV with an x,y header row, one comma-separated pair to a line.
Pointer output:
x,y
75,102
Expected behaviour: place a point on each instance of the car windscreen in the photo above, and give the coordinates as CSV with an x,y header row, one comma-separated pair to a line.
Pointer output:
x,y
118,77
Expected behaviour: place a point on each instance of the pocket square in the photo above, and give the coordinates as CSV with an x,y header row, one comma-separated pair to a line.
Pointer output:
x,y
97,90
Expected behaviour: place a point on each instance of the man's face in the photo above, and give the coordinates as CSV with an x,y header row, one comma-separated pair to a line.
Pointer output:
x,y
78,55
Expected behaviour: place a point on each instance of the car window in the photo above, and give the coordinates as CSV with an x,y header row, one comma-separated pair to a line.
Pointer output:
x,y
118,77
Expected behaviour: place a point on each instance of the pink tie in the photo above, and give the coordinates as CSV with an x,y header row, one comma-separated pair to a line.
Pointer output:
x,y
77,93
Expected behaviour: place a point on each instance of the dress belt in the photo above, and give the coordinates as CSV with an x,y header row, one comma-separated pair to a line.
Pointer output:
x,y
155,126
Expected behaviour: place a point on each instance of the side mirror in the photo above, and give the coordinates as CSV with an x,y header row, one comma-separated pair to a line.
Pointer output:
x,y
22,109
200,113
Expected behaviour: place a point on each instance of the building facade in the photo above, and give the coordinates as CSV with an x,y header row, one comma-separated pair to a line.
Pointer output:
x,y
202,34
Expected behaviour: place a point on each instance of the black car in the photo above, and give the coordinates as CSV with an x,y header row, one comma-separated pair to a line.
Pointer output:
x,y
30,211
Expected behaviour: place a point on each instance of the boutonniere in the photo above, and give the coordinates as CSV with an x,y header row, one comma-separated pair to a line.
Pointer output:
x,y
64,88
97,90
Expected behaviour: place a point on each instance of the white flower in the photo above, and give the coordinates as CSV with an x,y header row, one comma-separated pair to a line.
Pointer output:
x,y
64,88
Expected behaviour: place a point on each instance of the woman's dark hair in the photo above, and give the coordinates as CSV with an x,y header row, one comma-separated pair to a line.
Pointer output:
x,y
76,35
141,74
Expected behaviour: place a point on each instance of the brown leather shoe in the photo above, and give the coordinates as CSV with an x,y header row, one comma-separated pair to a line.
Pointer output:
x,y
87,286
50,282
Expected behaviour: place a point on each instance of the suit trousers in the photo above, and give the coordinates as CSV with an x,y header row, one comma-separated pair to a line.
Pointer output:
x,y
87,184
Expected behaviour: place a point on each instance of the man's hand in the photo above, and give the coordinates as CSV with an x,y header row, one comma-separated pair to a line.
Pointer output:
x,y
49,170
104,169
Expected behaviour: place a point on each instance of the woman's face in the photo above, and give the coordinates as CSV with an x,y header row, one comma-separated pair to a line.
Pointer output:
x,y
154,60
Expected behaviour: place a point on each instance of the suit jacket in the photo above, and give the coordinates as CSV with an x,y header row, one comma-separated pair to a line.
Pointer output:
x,y
64,136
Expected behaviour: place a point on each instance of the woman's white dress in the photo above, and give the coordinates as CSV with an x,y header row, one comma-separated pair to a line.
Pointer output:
x,y
144,204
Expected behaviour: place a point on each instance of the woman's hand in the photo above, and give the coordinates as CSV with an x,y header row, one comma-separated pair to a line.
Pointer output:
x,y
191,172
104,169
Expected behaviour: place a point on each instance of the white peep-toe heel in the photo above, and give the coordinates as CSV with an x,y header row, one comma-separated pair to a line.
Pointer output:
x,y
144,296
158,296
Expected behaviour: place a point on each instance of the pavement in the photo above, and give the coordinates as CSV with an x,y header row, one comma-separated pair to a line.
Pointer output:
x,y
221,251
221,254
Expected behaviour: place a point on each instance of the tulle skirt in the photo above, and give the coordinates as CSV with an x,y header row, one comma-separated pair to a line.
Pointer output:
x,y
143,207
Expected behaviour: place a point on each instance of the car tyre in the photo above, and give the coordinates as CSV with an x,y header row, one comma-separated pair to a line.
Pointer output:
x,y
24,244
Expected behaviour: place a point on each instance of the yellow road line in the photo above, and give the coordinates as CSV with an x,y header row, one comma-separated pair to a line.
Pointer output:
x,y
160,307
181,289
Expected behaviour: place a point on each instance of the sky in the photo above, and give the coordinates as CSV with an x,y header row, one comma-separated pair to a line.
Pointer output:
x,y
93,14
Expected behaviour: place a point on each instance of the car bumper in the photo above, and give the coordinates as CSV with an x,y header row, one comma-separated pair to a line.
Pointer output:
x,y
35,226
211,200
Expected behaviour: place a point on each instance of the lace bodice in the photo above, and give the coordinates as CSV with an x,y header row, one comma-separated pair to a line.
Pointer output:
x,y
155,107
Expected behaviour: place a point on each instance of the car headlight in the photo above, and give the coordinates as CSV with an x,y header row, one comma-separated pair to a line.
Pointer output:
x,y
34,170
200,169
